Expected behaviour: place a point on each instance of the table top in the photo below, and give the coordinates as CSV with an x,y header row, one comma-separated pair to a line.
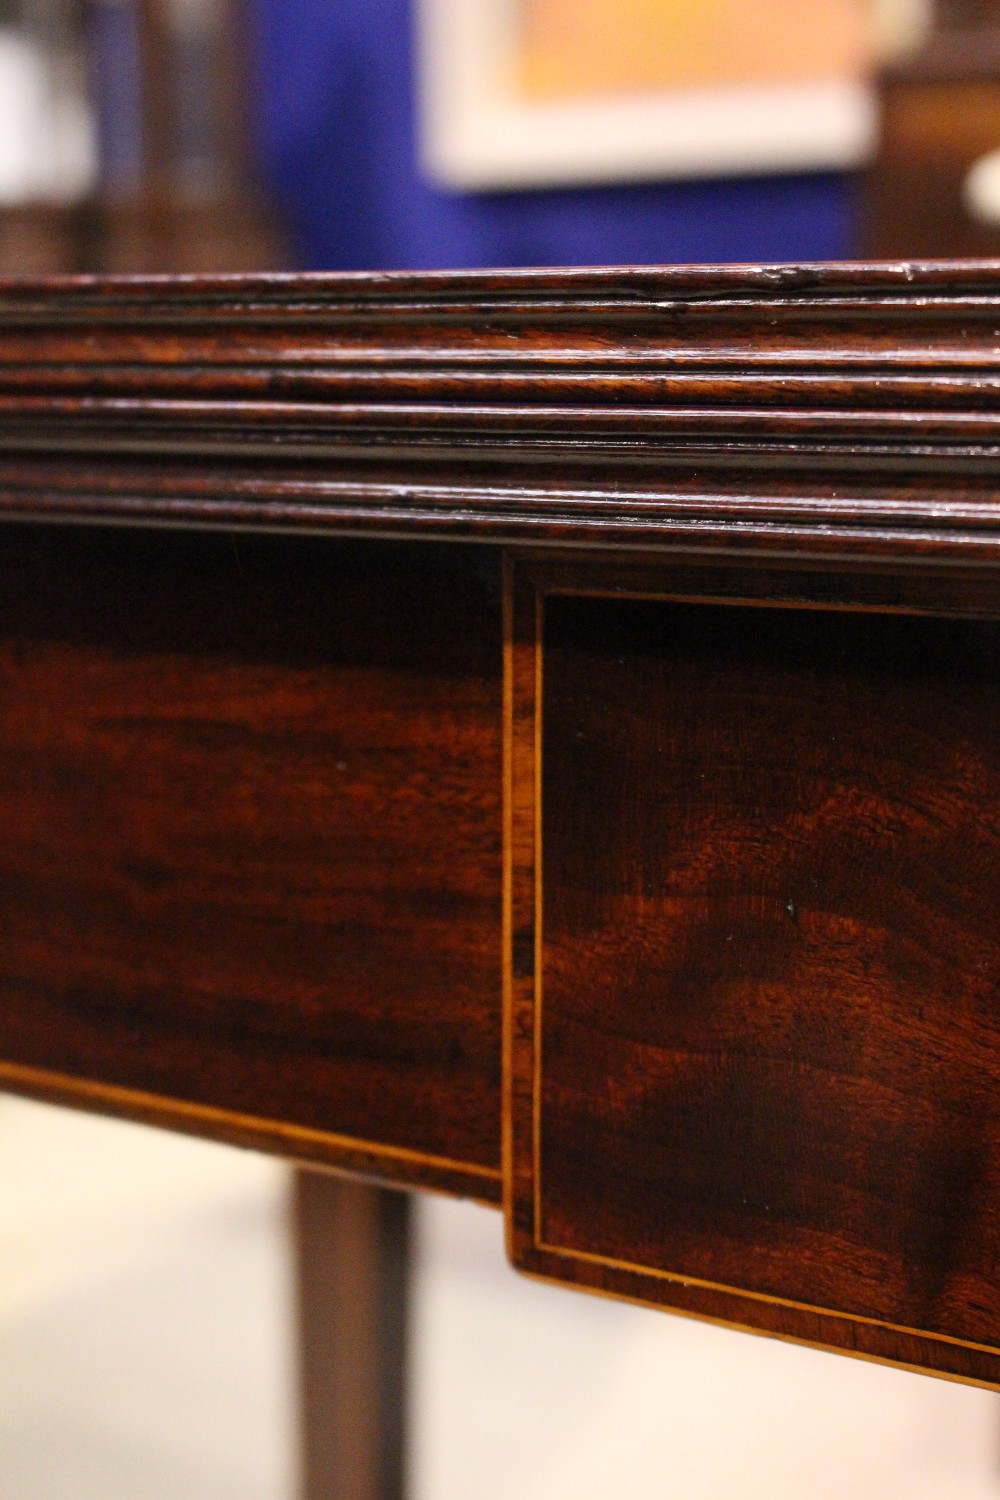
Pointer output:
x,y
398,647
825,409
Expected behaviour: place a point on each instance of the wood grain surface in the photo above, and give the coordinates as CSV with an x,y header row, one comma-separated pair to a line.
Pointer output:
x,y
250,800
834,410
353,1275
754,1027
251,876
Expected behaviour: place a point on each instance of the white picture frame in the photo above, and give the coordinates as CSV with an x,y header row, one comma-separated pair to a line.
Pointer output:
x,y
477,133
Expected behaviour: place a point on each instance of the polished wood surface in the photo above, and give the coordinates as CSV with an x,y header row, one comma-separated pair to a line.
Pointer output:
x,y
308,809
352,1246
755,1042
833,411
251,858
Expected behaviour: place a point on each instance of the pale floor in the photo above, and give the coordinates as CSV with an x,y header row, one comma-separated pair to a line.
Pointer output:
x,y
145,1354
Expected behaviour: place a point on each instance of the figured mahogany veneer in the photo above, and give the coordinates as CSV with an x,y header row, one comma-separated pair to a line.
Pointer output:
x,y
756,1031
250,865
300,840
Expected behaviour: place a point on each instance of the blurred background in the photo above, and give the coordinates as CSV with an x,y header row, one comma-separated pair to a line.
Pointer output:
x,y
147,1352
147,1348
349,134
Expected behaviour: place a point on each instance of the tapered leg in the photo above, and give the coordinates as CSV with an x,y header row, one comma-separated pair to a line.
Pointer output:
x,y
352,1270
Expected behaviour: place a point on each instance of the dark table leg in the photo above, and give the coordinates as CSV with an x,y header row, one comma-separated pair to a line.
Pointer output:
x,y
352,1269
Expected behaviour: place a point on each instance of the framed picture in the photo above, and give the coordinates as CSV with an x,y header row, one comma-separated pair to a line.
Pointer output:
x,y
516,93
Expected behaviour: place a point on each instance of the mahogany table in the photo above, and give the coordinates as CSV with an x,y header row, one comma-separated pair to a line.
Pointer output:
x,y
534,736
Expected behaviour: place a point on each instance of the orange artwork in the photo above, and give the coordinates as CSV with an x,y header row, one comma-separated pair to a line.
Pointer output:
x,y
581,48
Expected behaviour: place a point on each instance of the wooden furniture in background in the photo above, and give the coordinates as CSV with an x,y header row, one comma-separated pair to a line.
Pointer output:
x,y
533,736
176,186
44,239
196,204
939,115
